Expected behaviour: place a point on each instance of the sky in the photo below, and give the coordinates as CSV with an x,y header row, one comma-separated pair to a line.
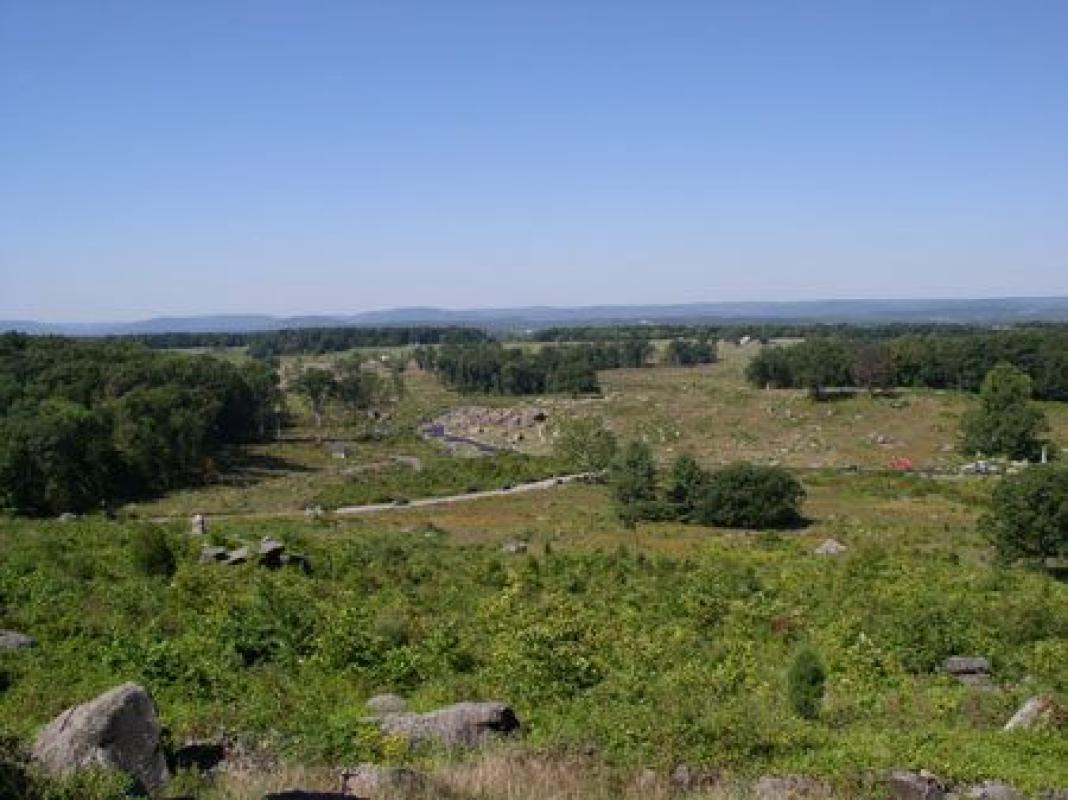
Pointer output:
x,y
194,157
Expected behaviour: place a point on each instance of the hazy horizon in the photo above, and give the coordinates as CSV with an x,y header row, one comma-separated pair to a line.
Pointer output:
x,y
330,158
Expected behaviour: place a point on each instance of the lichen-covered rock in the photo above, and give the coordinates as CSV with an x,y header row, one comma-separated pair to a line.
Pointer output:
x,y
117,730
459,725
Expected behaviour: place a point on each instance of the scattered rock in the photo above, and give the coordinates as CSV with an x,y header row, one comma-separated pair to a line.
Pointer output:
x,y
67,516
993,790
198,525
787,787
967,665
459,725
1032,713
119,730
685,778
238,556
904,785
297,560
970,670
210,554
13,640
373,780
514,547
830,547
271,551
387,704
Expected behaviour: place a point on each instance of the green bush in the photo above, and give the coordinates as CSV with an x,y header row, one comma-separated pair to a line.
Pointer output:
x,y
153,555
805,683
750,496
1029,514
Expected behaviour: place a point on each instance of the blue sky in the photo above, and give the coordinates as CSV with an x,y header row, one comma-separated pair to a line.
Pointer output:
x,y
300,157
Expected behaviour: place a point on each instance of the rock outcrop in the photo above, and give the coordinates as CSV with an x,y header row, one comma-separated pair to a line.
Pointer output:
x,y
117,730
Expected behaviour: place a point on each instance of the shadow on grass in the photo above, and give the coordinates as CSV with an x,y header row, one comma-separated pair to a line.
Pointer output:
x,y
241,467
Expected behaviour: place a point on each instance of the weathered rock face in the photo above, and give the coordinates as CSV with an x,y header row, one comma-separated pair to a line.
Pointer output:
x,y
117,730
387,704
1032,713
13,640
373,780
902,785
787,787
459,725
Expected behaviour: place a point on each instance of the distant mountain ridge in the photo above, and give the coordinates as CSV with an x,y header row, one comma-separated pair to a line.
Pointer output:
x,y
992,311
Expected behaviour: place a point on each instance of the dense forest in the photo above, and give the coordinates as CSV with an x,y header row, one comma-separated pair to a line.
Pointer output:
x,y
949,359
313,340
83,423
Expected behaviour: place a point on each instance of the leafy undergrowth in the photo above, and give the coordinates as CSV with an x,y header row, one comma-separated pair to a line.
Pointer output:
x,y
650,659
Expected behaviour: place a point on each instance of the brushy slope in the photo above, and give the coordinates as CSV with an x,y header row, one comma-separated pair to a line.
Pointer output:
x,y
651,658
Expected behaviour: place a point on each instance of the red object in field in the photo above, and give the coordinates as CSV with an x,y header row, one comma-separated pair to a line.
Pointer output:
x,y
902,464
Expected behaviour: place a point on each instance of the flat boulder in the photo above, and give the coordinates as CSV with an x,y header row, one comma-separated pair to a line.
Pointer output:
x,y
459,725
13,640
118,730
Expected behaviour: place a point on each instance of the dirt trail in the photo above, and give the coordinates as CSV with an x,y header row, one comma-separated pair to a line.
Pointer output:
x,y
422,502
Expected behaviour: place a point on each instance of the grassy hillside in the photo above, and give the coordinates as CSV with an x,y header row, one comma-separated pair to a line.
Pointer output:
x,y
621,650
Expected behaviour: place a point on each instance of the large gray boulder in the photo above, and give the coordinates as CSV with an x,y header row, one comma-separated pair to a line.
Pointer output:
x,y
459,725
13,640
117,730
967,665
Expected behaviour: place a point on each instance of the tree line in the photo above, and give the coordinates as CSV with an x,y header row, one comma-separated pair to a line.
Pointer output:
x,y
493,368
87,422
313,341
944,360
